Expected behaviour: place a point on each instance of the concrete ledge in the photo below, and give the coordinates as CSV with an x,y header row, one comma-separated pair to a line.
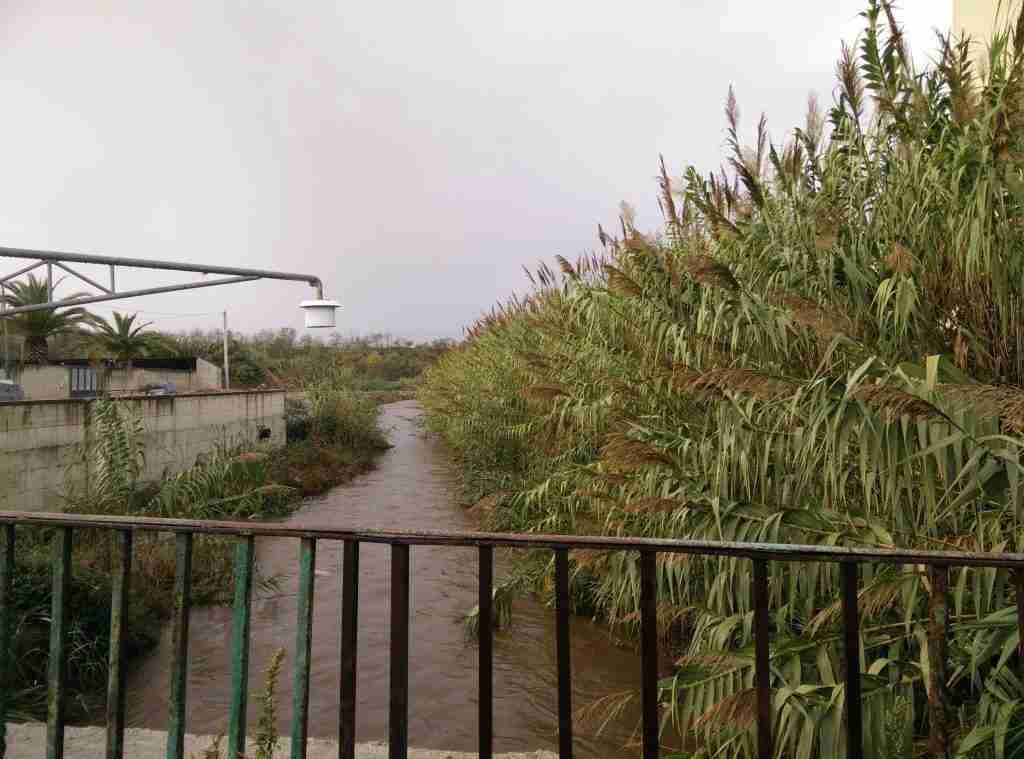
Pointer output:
x,y
138,397
28,741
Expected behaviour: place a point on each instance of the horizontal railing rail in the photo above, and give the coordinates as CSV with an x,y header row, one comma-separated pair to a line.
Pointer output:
x,y
401,542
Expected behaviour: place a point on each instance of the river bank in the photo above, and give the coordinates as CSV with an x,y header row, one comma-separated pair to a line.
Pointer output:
x,y
413,486
232,483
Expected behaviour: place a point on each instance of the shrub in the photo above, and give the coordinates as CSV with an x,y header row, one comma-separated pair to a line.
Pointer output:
x,y
88,635
340,416
296,420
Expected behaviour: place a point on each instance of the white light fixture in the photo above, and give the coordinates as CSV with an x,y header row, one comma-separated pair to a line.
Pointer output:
x,y
319,313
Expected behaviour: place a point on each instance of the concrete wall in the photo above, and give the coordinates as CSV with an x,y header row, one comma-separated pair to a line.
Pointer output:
x,y
207,376
51,381
43,381
39,439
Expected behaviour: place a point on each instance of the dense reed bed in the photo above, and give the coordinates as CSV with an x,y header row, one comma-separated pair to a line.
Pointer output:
x,y
824,344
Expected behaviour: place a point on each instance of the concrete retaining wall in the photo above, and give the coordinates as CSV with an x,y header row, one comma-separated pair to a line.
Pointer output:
x,y
39,439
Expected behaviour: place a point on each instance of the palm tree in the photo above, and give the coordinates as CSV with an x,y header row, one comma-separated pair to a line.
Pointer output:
x,y
125,340
37,327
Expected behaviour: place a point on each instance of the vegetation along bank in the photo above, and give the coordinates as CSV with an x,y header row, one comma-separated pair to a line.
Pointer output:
x,y
332,436
825,345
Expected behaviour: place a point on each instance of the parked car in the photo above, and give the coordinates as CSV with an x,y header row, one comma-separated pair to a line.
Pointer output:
x,y
160,388
11,391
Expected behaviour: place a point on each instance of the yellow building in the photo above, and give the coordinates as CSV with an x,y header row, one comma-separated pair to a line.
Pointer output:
x,y
980,18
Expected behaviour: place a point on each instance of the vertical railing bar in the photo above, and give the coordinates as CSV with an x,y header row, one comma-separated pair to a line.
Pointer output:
x,y
563,653
398,716
303,647
851,636
1017,578
6,624
649,651
60,546
179,645
116,669
349,650
940,713
241,614
762,662
486,641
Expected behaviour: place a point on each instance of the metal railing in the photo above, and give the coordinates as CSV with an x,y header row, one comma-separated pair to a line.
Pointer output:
x,y
401,543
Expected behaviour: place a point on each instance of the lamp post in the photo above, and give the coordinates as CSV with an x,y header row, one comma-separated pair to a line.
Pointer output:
x,y
227,366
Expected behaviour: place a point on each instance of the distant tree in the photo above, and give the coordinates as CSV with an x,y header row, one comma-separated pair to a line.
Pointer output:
x,y
38,327
122,339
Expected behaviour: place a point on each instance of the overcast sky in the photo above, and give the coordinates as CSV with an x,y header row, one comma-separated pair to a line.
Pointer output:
x,y
415,155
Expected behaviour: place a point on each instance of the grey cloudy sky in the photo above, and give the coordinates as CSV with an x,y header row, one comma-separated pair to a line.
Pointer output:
x,y
414,154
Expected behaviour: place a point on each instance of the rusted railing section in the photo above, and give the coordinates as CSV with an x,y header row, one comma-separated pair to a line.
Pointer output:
x,y
760,554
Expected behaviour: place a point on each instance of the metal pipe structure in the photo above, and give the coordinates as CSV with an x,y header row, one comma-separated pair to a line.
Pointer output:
x,y
87,280
51,258
70,302
23,270
143,263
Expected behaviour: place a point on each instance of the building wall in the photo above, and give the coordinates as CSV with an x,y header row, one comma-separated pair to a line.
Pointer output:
x,y
42,381
979,19
208,376
39,439
51,381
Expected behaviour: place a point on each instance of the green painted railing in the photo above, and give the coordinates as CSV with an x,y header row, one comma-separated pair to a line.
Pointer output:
x,y
64,526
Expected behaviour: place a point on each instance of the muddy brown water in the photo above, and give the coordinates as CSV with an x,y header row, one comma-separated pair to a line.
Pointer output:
x,y
413,488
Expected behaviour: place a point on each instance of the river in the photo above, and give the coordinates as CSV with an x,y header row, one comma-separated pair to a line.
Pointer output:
x,y
414,487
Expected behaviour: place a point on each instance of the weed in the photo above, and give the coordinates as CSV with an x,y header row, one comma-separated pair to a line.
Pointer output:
x,y
266,736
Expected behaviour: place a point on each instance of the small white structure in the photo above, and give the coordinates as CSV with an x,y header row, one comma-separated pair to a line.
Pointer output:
x,y
319,313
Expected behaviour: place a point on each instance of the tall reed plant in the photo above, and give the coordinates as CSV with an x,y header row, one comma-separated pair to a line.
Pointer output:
x,y
824,345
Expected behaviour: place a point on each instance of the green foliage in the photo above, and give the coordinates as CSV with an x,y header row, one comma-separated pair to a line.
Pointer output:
x,y
39,327
296,419
340,416
266,738
231,482
122,339
88,635
377,363
228,483
824,346
113,459
502,596
266,729
333,434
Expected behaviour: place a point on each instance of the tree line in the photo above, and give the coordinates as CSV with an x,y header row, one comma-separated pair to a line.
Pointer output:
x,y
279,358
